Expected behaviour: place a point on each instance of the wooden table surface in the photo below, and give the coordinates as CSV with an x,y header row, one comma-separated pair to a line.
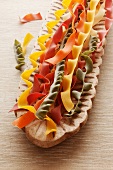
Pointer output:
x,y
92,147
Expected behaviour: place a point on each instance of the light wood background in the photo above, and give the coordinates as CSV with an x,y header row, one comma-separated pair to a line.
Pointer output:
x,y
92,147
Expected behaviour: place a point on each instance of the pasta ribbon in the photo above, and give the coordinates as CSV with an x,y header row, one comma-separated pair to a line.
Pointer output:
x,y
51,125
59,13
108,20
41,41
50,25
18,54
22,101
99,15
24,120
20,50
61,54
65,95
66,3
26,41
31,17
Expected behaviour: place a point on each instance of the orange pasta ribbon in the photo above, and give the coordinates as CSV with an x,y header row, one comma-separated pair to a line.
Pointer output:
x,y
30,17
61,54
28,117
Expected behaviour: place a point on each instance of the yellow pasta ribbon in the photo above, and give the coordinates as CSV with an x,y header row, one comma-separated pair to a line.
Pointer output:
x,y
26,41
51,126
66,3
65,95
43,38
50,25
59,13
99,15
41,41
22,101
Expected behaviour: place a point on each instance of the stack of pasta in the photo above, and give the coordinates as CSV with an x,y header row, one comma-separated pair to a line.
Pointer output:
x,y
57,89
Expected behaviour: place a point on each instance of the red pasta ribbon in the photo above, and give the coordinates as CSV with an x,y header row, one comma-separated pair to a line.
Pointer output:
x,y
24,120
44,69
31,17
55,114
39,87
33,97
108,20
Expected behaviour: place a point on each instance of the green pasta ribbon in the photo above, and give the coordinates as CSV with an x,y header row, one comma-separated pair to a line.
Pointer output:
x,y
93,43
54,89
18,54
80,74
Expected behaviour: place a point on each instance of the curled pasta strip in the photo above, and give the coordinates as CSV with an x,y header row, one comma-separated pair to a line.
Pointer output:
x,y
18,54
108,20
93,43
20,50
22,101
81,76
54,89
100,12
31,17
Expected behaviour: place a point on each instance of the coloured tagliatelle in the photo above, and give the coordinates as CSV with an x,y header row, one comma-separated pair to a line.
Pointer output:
x,y
56,91
20,50
30,17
